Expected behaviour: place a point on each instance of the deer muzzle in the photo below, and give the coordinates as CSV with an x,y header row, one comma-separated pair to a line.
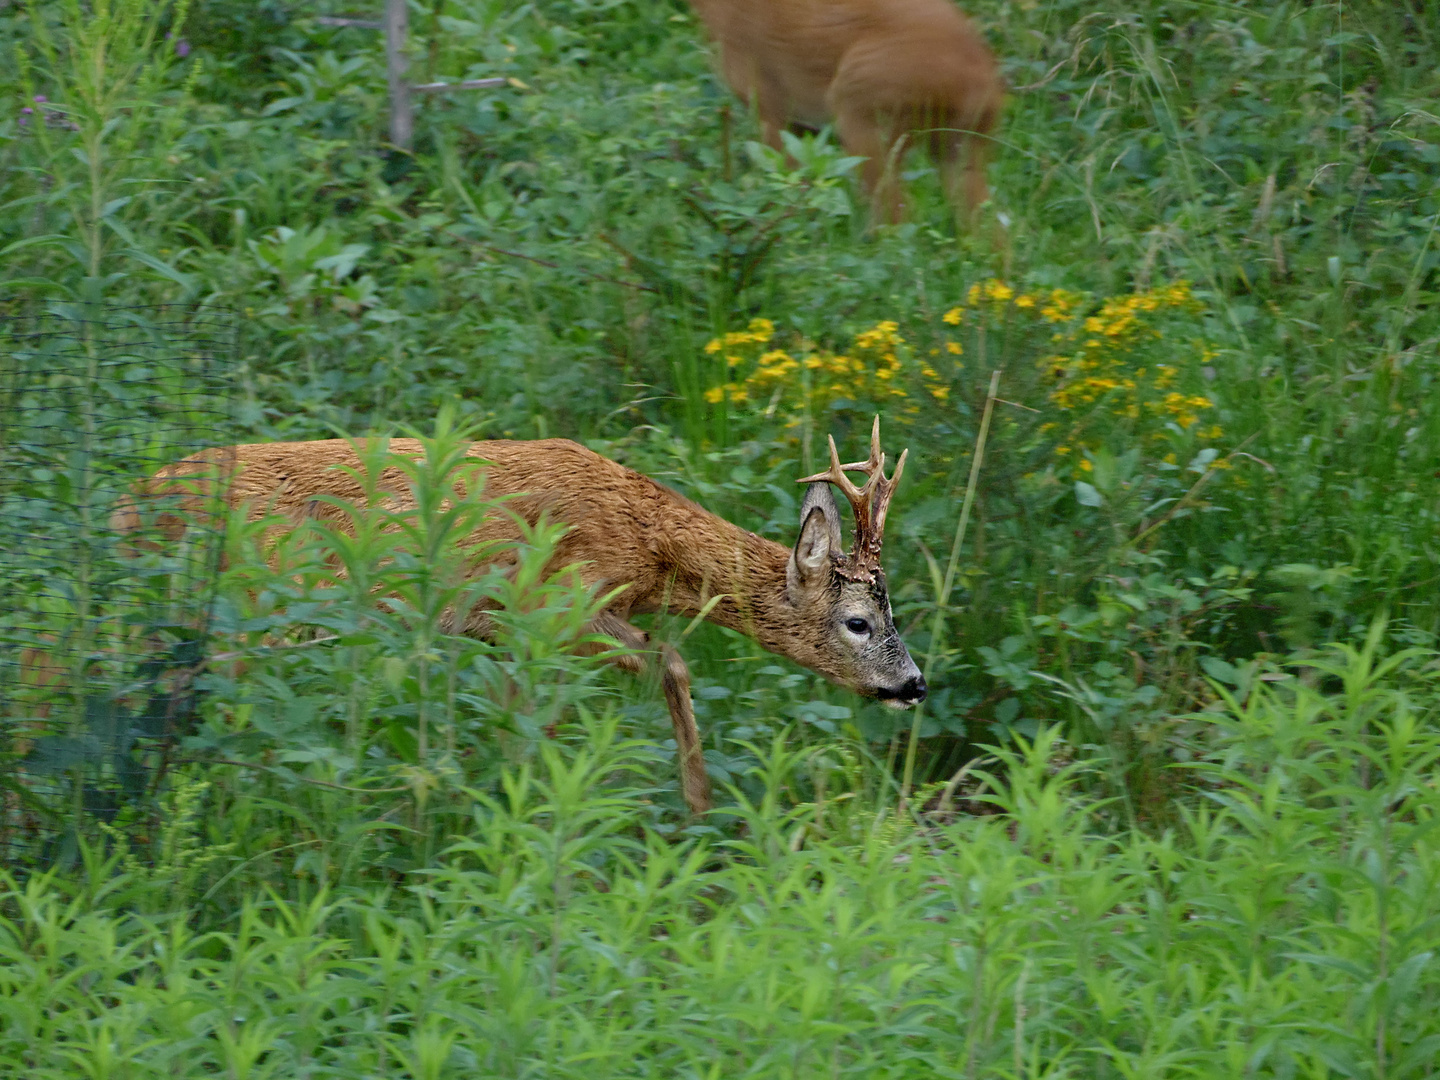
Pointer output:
x,y
910,693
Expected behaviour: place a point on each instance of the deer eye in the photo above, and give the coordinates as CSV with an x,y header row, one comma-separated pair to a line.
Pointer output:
x,y
857,626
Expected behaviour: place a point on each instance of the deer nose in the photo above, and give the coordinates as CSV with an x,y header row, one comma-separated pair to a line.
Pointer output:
x,y
914,690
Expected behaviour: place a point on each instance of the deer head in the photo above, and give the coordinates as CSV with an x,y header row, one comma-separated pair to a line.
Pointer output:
x,y
842,598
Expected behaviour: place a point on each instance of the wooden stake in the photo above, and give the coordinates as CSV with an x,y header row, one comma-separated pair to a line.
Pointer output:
x,y
402,111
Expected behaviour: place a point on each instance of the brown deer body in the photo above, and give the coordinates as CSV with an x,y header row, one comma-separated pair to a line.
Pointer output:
x,y
887,72
821,609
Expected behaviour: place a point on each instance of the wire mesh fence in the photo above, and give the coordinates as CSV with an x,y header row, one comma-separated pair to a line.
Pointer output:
x,y
107,586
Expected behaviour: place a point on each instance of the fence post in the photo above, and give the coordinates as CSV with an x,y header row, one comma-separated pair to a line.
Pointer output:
x,y
397,62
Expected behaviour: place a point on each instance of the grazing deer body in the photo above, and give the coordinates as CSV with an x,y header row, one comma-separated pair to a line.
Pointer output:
x,y
821,609
886,71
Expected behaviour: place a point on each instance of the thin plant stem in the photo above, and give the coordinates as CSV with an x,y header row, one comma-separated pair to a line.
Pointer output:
x,y
943,598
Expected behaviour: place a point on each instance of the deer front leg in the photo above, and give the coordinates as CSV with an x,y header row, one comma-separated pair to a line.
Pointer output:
x,y
675,679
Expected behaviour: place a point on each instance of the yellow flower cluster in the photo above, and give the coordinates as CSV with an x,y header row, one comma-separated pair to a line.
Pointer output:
x,y
758,333
879,344
875,367
1094,365
994,295
994,290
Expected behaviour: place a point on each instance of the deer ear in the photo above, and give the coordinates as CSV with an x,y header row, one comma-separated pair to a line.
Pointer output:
x,y
819,536
819,497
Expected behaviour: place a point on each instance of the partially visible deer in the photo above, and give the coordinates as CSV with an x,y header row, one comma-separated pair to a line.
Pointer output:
x,y
888,72
814,604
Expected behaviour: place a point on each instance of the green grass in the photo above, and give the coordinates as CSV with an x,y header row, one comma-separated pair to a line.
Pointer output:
x,y
1183,698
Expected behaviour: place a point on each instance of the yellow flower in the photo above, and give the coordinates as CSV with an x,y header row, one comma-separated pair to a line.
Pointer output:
x,y
762,326
953,348
713,346
1085,465
939,393
953,316
1058,309
715,394
997,290
1025,301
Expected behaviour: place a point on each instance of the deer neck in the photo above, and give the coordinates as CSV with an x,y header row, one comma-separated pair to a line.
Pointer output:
x,y
748,573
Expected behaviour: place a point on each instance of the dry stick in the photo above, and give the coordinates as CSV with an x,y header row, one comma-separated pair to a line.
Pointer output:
x,y
1189,497
290,775
547,263
949,582
464,84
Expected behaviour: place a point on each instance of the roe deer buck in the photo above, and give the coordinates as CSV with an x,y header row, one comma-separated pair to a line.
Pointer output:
x,y
825,610
886,71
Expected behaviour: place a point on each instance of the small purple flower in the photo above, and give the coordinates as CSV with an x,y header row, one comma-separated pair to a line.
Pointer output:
x,y
182,48
40,98
26,111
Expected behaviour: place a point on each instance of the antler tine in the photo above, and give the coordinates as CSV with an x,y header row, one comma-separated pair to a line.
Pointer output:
x,y
869,501
836,475
882,504
874,468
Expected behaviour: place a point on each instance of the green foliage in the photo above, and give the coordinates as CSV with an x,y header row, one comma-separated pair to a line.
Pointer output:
x,y
1179,683
1284,927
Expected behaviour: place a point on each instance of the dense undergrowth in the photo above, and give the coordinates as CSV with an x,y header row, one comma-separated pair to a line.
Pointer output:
x,y
1177,780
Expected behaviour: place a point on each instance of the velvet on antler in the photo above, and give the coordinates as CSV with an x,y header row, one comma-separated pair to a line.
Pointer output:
x,y
869,501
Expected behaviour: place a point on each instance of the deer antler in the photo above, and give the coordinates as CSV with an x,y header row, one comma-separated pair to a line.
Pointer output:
x,y
869,501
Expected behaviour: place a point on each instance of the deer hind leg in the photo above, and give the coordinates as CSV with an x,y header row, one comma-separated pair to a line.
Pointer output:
x,y
675,678
863,135
962,171
963,156
694,781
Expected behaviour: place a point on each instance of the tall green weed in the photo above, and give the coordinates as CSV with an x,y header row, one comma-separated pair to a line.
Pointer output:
x,y
1285,927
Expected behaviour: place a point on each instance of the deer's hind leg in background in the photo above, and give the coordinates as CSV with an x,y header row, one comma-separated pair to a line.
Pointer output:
x,y
867,135
675,679
962,146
